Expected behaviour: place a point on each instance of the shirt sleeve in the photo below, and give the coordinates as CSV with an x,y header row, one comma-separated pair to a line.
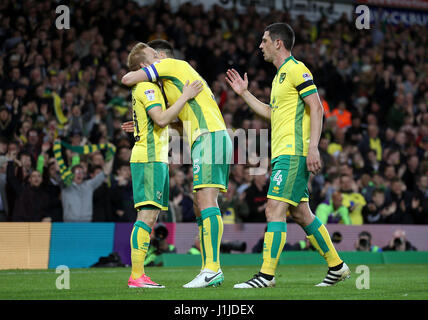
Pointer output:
x,y
302,80
159,69
96,181
150,96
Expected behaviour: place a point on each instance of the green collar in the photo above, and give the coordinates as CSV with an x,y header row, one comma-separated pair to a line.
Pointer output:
x,y
285,61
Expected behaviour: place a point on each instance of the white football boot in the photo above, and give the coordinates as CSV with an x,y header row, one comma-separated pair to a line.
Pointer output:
x,y
206,278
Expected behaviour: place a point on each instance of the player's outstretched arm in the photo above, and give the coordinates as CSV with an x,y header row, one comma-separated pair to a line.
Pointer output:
x,y
240,86
313,160
133,77
163,117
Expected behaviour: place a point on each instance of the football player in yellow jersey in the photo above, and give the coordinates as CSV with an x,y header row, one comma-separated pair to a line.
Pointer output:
x,y
149,161
295,112
211,153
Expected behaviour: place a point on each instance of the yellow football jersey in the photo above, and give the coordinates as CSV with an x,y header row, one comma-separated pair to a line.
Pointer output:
x,y
290,116
200,114
151,141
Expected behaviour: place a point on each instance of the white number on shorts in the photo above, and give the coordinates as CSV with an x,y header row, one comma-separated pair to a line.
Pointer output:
x,y
278,178
196,167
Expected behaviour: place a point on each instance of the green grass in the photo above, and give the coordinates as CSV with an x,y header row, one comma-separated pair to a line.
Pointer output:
x,y
387,282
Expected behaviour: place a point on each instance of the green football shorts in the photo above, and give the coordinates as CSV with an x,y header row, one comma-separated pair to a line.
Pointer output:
x,y
150,184
289,179
211,157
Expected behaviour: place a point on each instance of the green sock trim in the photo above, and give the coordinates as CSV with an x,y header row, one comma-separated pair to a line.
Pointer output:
x,y
277,226
135,237
313,227
208,212
276,241
214,235
143,225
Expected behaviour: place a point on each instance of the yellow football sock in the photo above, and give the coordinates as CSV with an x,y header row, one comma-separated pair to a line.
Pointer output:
x,y
201,240
212,234
318,236
140,241
273,245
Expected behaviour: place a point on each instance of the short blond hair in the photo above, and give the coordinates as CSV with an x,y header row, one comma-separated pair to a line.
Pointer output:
x,y
137,56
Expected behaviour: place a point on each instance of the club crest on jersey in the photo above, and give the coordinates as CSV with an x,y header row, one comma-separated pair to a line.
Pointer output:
x,y
282,77
150,94
307,76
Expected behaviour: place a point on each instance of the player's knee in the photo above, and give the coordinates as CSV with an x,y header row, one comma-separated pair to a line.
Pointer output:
x,y
301,214
273,212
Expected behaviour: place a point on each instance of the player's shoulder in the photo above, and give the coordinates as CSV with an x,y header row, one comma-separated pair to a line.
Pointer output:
x,y
144,86
297,66
169,61
299,72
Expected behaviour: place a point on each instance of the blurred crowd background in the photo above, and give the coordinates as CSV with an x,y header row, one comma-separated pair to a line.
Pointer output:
x,y
64,157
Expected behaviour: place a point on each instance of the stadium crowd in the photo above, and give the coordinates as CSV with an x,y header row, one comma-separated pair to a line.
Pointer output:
x,y
64,157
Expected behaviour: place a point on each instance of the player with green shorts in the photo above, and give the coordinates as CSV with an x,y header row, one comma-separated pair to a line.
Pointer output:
x,y
149,161
295,113
211,151
289,179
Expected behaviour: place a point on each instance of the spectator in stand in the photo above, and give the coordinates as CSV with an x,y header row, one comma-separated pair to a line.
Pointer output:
x,y
255,197
402,200
355,133
122,196
352,199
342,115
372,165
77,199
371,142
33,146
396,113
412,171
334,211
51,183
248,179
8,123
32,200
232,205
181,198
420,200
377,210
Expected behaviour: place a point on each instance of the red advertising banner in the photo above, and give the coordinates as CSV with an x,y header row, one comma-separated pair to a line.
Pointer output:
x,y
405,4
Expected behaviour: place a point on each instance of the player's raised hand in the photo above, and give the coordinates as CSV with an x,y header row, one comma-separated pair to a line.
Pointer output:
x,y
236,82
128,126
313,160
191,90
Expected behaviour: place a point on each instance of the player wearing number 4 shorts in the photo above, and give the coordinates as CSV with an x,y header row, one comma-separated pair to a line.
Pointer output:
x,y
149,161
296,114
211,151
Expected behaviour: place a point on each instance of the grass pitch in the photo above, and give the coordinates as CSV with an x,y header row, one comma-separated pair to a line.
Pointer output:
x,y
387,282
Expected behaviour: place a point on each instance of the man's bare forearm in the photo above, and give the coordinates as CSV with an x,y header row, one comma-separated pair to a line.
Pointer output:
x,y
133,77
262,109
316,114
